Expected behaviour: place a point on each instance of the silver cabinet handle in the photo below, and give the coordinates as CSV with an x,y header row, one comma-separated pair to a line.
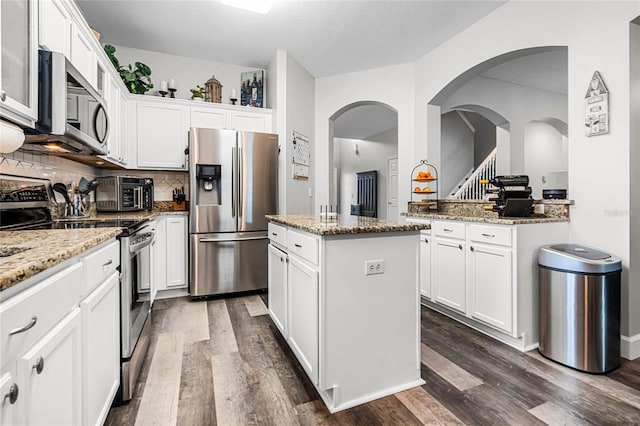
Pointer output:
x,y
39,365
12,394
460,246
32,322
488,235
447,230
471,248
426,241
3,96
274,234
107,263
298,245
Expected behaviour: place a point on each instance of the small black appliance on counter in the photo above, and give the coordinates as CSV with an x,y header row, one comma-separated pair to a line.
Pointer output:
x,y
554,194
513,195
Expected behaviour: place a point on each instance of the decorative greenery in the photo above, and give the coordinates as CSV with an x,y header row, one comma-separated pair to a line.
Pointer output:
x,y
198,92
137,80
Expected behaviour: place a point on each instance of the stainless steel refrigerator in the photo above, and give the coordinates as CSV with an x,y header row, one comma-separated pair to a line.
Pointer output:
x,y
232,184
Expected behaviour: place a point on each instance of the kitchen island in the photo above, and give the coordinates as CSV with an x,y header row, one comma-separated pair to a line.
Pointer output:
x,y
343,291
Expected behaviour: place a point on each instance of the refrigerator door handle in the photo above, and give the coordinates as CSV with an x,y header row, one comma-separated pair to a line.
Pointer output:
x,y
228,240
240,183
234,190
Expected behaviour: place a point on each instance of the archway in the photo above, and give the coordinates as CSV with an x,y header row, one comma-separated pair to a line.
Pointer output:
x,y
363,136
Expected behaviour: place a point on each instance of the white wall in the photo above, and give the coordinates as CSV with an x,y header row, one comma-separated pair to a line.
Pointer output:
x,y
186,71
373,154
457,152
545,153
632,294
300,118
393,86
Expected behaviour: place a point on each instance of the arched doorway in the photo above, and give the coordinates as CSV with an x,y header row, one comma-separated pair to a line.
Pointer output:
x,y
363,137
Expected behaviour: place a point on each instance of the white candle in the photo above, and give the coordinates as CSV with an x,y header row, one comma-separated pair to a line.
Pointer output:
x,y
233,94
163,86
172,83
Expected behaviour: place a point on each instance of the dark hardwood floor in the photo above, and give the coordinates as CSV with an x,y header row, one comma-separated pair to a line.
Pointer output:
x,y
224,362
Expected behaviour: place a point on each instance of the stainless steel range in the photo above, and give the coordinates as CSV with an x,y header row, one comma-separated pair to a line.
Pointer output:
x,y
24,205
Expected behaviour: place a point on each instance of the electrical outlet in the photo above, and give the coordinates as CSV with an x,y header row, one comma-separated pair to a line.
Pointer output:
x,y
372,267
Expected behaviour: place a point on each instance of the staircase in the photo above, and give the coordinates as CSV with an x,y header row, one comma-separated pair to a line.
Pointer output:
x,y
472,189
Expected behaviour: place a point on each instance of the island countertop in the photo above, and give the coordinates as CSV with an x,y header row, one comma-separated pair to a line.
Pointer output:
x,y
344,224
500,220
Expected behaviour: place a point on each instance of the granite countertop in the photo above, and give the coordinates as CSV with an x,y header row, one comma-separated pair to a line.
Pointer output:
x,y
343,224
497,220
28,253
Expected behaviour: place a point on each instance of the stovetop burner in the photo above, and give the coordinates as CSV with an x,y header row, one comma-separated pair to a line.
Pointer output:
x,y
128,225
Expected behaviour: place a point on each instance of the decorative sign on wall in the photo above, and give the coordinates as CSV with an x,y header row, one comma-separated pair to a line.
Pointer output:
x,y
301,156
252,88
596,103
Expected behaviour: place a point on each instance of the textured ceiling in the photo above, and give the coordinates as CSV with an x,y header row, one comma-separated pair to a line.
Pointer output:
x,y
326,37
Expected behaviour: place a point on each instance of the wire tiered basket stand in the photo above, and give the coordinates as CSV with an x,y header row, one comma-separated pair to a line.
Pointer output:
x,y
424,186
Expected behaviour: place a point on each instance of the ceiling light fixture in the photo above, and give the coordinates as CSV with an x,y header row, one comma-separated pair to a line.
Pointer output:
x,y
258,6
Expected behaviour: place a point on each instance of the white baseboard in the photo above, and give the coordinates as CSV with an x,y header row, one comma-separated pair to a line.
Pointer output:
x,y
630,347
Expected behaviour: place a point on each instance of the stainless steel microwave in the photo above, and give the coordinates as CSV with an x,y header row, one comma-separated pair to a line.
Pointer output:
x,y
72,118
124,194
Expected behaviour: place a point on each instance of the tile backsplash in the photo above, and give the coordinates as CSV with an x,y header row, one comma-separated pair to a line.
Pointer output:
x,y
58,169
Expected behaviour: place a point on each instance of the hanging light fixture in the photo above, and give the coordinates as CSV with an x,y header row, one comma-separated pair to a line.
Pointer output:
x,y
258,6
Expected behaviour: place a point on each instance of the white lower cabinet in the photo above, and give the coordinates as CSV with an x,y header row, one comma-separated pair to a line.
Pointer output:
x,y
101,350
303,314
60,340
51,392
170,253
491,285
449,272
278,288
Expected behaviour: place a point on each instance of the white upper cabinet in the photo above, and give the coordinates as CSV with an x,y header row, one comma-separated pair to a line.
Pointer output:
x,y
19,61
55,27
210,118
82,55
251,121
162,135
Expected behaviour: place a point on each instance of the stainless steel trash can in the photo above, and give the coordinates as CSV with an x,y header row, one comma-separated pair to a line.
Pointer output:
x,y
579,295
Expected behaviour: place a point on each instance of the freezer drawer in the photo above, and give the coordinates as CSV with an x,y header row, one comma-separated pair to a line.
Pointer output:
x,y
228,263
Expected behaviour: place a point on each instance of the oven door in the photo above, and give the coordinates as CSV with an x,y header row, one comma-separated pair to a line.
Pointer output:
x,y
136,273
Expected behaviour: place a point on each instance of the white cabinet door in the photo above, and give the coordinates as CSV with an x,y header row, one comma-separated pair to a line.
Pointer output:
x,y
278,288
449,281
9,398
162,135
50,376
303,315
55,27
19,61
159,258
249,121
491,285
101,350
209,118
425,265
176,251
113,110
82,55
124,129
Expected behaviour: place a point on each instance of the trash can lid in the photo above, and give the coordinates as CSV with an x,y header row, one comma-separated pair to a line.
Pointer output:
x,y
577,258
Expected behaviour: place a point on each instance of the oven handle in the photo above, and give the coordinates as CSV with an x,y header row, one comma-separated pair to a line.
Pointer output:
x,y
228,240
149,239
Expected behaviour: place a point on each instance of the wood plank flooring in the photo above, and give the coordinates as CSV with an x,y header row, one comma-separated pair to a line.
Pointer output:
x,y
223,362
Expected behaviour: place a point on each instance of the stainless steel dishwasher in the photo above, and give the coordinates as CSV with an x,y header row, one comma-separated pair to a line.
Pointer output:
x,y
579,307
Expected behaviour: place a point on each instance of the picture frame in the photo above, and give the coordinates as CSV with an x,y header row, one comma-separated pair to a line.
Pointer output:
x,y
252,85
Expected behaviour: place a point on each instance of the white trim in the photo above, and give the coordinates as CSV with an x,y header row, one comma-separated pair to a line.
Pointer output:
x,y
630,347
327,396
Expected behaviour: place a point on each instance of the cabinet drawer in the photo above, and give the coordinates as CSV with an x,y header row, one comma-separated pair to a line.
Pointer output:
x,y
490,234
100,265
278,234
304,246
47,302
448,229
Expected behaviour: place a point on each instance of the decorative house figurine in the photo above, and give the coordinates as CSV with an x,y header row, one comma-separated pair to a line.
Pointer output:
x,y
213,90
